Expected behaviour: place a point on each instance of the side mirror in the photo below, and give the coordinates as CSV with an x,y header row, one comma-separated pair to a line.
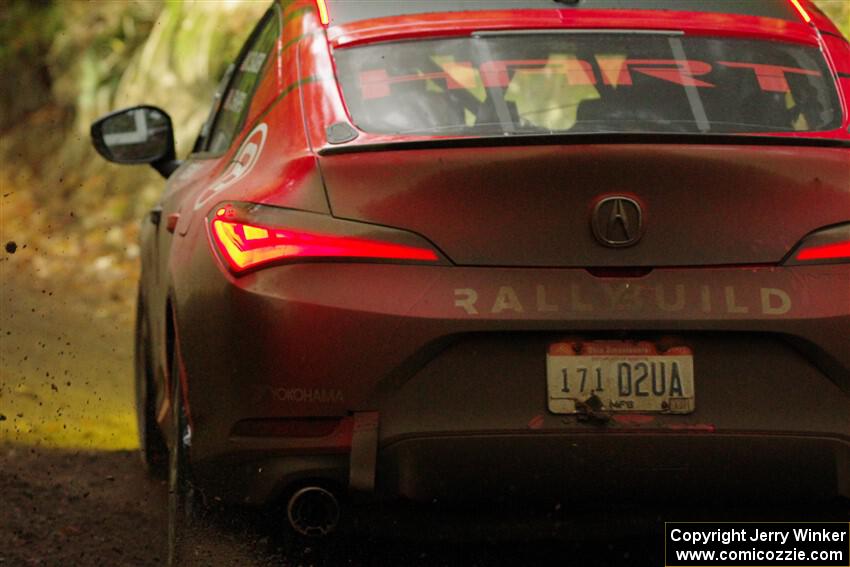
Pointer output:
x,y
142,134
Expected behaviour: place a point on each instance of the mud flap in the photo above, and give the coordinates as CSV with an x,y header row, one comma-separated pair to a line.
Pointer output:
x,y
364,452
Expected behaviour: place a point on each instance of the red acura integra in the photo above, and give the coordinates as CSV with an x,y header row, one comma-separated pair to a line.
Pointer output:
x,y
591,252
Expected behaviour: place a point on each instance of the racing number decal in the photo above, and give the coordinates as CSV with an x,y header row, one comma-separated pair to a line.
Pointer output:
x,y
241,165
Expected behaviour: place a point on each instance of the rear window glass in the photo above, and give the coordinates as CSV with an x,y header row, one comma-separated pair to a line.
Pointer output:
x,y
346,11
587,83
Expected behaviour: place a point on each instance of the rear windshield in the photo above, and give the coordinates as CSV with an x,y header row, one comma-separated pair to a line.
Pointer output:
x,y
492,84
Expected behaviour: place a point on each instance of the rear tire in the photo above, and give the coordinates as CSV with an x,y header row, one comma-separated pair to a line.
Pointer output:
x,y
184,503
152,447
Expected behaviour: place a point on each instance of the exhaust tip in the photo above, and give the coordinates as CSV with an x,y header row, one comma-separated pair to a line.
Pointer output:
x,y
313,511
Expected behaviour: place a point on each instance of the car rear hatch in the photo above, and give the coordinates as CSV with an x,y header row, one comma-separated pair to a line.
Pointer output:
x,y
502,147
533,206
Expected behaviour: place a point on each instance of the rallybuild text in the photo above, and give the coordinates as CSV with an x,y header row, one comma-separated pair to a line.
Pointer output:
x,y
819,544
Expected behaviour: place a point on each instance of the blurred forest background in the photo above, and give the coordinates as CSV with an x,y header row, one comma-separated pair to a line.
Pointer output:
x,y
63,64
68,219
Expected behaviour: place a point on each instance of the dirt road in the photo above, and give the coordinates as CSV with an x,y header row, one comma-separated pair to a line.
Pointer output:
x,y
67,508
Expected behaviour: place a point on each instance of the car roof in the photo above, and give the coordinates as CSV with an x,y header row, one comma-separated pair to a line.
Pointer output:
x,y
347,11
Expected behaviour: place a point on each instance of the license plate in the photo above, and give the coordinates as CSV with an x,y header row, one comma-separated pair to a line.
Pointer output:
x,y
619,376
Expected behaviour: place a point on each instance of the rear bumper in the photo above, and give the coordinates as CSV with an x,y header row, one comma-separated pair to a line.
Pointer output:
x,y
460,385
553,470
611,470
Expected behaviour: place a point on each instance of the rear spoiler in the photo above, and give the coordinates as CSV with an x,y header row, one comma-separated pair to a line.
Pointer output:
x,y
585,139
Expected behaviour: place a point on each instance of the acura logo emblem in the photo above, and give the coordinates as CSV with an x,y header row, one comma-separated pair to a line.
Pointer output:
x,y
617,221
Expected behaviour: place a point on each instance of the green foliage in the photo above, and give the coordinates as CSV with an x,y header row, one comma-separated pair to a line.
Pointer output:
x,y
64,64
79,60
96,48
27,28
838,11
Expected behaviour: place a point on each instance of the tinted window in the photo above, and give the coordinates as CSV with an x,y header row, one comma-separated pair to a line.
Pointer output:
x,y
249,68
344,11
568,82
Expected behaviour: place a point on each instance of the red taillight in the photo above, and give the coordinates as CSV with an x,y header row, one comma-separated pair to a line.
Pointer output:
x,y
246,246
828,246
837,251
